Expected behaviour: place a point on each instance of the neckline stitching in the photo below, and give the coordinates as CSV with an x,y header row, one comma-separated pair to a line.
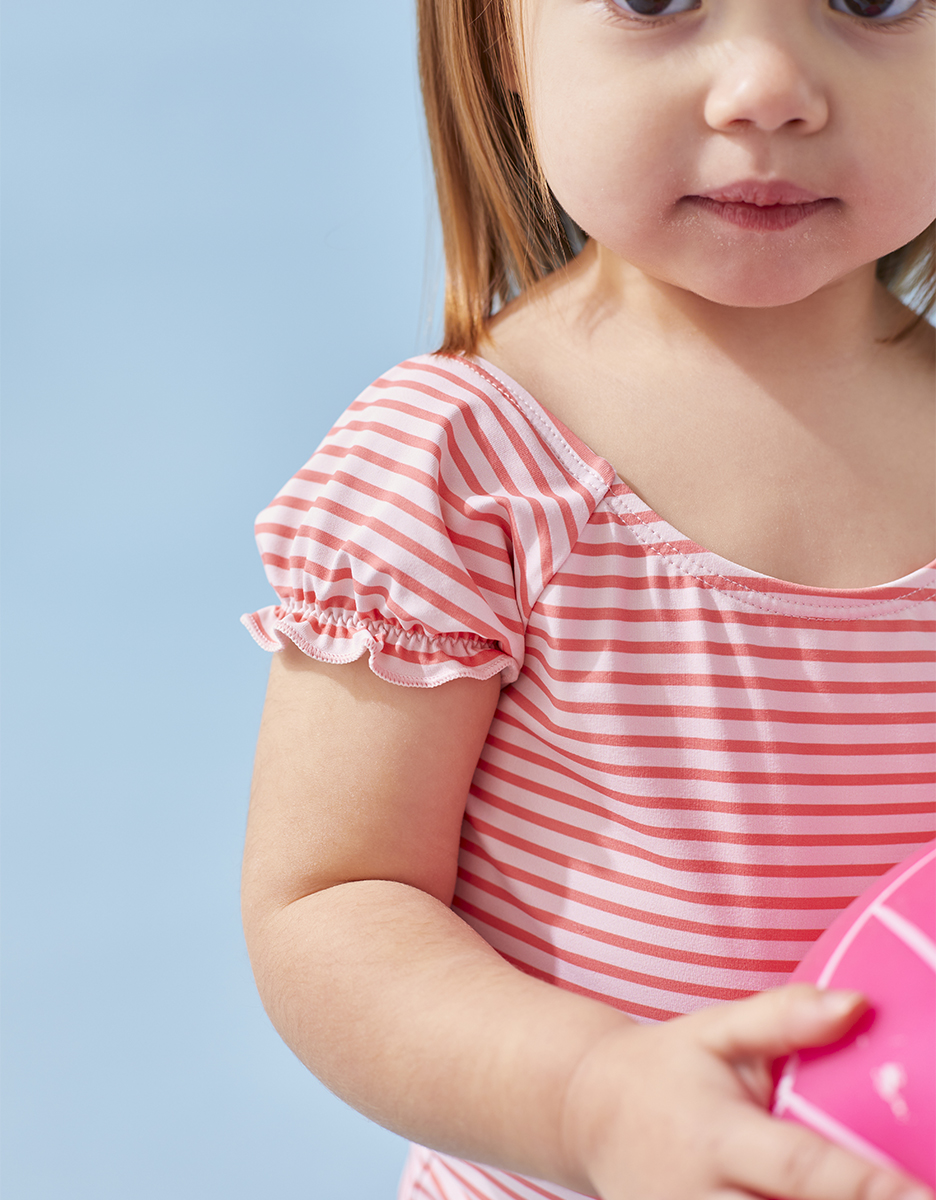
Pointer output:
x,y
679,560
574,462
544,423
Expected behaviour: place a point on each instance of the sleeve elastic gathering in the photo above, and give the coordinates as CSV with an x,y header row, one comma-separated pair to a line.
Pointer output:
x,y
378,546
410,537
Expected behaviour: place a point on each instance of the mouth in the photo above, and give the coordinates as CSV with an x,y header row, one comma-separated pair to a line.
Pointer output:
x,y
762,193
761,205
761,218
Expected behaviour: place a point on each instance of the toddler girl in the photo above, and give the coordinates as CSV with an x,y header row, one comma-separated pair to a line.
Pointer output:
x,y
606,634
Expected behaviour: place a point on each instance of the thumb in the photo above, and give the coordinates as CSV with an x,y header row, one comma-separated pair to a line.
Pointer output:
x,y
780,1021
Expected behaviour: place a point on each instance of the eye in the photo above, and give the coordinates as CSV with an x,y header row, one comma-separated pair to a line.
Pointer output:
x,y
873,8
656,8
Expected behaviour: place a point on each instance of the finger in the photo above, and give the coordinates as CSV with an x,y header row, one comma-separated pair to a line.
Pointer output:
x,y
784,1160
778,1022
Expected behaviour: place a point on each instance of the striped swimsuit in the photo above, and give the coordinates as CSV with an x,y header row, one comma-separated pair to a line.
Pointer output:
x,y
693,767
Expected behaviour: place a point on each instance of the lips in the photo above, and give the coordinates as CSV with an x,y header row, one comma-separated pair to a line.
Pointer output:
x,y
763,193
761,205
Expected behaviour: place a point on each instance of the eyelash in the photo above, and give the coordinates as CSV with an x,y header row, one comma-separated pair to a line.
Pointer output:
x,y
920,14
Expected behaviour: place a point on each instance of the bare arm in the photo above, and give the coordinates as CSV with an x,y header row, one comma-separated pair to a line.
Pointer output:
x,y
405,1012
380,989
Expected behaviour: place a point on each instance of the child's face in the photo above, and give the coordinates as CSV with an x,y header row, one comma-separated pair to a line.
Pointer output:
x,y
637,115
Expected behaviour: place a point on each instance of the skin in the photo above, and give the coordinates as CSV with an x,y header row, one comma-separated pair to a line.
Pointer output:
x,y
677,340
628,119
405,1012
739,349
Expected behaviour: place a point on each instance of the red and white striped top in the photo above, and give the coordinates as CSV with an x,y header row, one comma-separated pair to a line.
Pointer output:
x,y
693,767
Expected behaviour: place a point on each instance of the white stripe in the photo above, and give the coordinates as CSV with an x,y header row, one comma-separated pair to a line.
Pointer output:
x,y
915,938
822,1123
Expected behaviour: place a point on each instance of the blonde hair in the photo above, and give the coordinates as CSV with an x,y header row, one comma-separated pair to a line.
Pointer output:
x,y
502,229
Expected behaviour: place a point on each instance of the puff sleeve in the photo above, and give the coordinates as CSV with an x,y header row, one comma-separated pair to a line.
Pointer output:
x,y
420,532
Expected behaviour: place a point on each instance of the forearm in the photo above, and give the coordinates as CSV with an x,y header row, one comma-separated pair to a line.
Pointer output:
x,y
405,1012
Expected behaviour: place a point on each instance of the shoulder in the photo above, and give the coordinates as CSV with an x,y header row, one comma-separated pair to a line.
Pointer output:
x,y
467,415
452,394
431,396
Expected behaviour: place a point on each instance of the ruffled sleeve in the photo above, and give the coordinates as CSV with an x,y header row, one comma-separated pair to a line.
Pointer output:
x,y
420,532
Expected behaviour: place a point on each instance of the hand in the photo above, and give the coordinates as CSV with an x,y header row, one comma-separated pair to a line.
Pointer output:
x,y
676,1111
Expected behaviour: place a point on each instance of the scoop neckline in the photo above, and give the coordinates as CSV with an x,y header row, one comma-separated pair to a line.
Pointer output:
x,y
735,575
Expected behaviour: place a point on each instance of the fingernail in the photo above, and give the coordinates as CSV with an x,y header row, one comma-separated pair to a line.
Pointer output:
x,y
837,1004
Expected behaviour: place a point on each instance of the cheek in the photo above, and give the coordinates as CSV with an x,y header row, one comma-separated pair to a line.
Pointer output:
x,y
620,147
895,189
605,125
610,159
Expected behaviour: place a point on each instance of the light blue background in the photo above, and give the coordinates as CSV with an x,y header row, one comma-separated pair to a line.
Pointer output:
x,y
216,222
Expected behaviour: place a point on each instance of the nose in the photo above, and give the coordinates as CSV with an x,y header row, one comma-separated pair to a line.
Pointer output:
x,y
763,84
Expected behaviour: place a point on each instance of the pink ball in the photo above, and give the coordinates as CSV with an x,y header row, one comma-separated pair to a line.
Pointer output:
x,y
874,1091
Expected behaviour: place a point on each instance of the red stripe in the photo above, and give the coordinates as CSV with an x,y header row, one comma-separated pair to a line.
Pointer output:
x,y
748,683
625,912
610,970
535,504
418,549
464,1183
797,654
704,899
592,933
687,579
491,520
394,610
454,452
523,451
722,713
658,613
496,1181
559,757
712,837
713,745
495,550
670,803
626,1006
684,865
468,622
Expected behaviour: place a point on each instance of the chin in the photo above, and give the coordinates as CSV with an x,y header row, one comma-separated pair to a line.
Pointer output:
x,y
765,276
757,293
757,287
